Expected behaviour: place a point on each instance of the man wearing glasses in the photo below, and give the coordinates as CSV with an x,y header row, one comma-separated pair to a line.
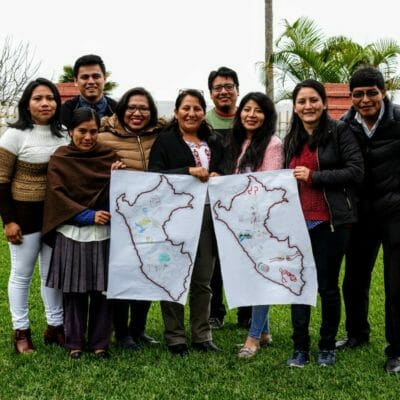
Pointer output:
x,y
90,78
375,121
223,85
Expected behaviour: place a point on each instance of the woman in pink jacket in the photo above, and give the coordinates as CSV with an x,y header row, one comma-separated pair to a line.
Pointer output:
x,y
255,148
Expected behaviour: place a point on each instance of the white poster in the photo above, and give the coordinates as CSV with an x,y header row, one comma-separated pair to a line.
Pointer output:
x,y
155,228
263,242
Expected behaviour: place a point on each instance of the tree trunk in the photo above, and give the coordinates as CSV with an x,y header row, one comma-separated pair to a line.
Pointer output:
x,y
269,73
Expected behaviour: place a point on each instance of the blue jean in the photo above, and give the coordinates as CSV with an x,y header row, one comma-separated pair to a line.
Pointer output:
x,y
259,321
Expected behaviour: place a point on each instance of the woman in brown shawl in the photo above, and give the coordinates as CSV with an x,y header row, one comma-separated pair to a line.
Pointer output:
x,y
76,221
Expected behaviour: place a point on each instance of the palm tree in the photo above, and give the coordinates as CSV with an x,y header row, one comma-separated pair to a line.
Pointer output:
x,y
68,76
304,52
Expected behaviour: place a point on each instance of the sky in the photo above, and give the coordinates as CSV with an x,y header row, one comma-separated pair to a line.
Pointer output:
x,y
167,45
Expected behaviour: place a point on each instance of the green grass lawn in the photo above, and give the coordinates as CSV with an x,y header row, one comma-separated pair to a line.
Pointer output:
x,y
155,374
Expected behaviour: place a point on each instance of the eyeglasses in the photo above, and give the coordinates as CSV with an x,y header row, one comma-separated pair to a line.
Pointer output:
x,y
142,109
227,86
188,90
358,94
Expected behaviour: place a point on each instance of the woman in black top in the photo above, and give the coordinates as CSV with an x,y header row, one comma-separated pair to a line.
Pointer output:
x,y
188,146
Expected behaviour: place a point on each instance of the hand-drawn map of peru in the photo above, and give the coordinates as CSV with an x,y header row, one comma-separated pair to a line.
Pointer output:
x,y
263,242
155,227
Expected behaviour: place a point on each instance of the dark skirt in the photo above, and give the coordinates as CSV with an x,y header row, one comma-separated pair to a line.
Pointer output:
x,y
78,267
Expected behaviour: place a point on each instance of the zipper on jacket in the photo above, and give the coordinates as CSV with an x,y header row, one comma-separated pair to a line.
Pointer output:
x,y
326,199
347,198
139,140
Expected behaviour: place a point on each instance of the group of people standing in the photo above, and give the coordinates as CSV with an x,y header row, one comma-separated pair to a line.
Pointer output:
x,y
54,204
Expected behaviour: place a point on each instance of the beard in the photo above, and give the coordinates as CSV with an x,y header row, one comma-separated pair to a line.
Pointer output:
x,y
91,98
225,109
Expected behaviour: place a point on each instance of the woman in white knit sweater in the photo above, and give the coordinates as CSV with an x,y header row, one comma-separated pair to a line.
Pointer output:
x,y
25,149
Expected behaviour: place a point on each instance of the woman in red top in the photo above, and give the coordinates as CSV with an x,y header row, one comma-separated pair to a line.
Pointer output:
x,y
327,164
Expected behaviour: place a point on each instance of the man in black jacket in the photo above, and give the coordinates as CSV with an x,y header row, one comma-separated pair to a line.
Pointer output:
x,y
375,120
90,78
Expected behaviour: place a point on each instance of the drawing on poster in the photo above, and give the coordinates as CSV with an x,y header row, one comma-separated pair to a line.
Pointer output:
x,y
152,219
258,218
285,270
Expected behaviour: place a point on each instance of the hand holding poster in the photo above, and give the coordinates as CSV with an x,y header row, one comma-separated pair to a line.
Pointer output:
x,y
263,242
155,228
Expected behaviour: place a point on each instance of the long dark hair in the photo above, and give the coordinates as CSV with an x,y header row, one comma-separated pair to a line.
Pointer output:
x,y
253,157
83,114
205,132
121,106
297,135
25,120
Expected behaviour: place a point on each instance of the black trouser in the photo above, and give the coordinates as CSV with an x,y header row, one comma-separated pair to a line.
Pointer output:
x,y
89,312
391,263
135,326
217,300
244,316
328,250
360,260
